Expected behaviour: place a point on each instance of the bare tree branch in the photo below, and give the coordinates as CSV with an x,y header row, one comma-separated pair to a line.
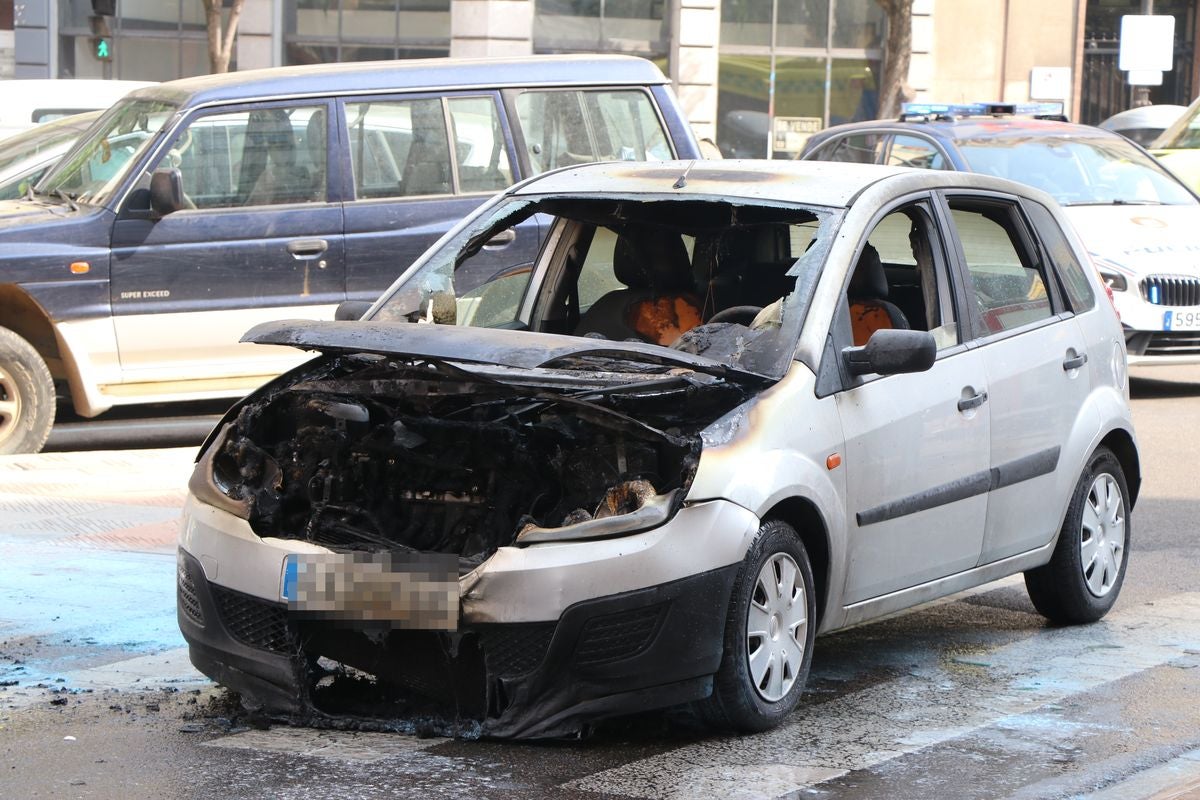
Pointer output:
x,y
897,54
220,43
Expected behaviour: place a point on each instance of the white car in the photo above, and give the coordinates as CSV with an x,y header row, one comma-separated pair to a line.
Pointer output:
x,y
1139,223
27,156
729,406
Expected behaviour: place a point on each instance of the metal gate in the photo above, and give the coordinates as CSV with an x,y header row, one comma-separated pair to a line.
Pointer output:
x,y
1103,90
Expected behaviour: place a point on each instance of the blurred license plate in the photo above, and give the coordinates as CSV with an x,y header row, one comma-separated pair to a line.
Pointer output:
x,y
1181,320
405,590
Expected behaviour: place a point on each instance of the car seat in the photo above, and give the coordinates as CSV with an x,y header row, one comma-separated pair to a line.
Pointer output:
x,y
658,303
869,307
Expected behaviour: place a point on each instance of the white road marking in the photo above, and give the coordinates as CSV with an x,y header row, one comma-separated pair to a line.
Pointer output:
x,y
933,703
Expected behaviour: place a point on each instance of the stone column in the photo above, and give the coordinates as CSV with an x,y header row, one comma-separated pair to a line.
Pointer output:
x,y
491,28
921,67
256,47
32,43
697,35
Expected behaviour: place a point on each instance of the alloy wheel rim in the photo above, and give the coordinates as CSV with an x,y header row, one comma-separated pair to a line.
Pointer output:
x,y
1102,535
776,627
10,405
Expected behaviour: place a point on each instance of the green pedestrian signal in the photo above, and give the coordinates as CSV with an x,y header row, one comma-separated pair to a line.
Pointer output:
x,y
103,48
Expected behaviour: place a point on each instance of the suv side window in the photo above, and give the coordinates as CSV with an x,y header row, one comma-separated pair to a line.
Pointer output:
x,y
1006,282
401,148
1074,279
858,148
912,151
564,128
261,157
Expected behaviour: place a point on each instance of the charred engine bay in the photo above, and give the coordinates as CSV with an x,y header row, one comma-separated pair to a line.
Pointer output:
x,y
371,453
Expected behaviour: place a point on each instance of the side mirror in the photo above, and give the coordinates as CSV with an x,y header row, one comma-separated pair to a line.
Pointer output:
x,y
351,310
890,352
166,192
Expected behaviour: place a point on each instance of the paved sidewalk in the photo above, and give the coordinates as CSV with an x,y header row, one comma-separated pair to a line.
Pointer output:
x,y
87,570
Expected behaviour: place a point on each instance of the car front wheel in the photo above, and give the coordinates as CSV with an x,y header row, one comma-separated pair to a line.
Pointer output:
x,y
1084,576
769,632
26,396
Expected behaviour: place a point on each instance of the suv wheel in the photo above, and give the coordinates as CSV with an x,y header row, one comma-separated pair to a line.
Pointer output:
x,y
1084,576
769,632
26,396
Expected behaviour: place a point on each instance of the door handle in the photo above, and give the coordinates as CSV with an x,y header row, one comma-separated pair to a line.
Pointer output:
x,y
974,401
304,249
1074,361
502,239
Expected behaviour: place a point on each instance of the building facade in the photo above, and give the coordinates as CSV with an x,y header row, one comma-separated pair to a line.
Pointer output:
x,y
754,75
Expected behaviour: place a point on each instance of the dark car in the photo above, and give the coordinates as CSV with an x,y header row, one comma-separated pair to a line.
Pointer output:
x,y
1140,223
194,209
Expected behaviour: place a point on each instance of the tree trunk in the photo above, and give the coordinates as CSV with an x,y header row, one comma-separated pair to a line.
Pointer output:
x,y
220,43
897,53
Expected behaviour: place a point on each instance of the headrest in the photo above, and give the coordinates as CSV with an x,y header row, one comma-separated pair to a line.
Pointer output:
x,y
645,258
869,279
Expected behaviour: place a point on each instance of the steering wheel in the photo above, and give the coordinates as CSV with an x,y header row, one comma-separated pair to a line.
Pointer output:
x,y
743,315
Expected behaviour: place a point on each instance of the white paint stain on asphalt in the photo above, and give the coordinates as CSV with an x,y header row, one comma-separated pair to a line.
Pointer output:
x,y
931,704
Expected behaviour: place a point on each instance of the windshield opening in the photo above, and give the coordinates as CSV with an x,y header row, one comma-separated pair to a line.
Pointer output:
x,y
1076,170
726,280
95,167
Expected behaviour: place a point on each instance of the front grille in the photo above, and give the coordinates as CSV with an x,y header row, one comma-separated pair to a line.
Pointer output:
x,y
515,650
613,637
252,621
189,602
1171,290
1174,343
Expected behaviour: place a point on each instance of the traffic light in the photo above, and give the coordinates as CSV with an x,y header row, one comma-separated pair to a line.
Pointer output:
x,y
102,48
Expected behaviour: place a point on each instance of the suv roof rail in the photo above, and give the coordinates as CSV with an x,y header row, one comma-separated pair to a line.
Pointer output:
x,y
949,112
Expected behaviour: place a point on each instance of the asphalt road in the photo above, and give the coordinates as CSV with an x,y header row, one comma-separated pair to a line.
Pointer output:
x,y
970,697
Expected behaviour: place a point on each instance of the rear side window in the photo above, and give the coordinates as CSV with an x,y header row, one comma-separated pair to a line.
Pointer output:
x,y
1074,278
564,128
427,146
861,148
1008,287
910,151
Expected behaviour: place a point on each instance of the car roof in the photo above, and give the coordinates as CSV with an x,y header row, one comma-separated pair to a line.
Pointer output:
x,y
433,74
972,128
818,183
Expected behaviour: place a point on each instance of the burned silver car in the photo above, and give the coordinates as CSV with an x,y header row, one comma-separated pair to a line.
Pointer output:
x,y
730,406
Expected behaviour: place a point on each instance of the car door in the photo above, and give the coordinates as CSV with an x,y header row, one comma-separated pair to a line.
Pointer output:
x,y
258,239
1034,354
419,163
916,455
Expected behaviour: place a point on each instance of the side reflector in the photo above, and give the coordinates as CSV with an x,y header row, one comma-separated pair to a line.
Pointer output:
x,y
80,267
833,462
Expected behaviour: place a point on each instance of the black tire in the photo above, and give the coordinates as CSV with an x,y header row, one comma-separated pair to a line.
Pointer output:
x,y
1066,590
738,703
26,396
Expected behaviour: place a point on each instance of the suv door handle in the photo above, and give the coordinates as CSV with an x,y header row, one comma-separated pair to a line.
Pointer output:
x,y
1074,361
304,249
974,401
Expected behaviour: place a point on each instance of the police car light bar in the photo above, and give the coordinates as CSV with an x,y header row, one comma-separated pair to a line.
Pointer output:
x,y
980,109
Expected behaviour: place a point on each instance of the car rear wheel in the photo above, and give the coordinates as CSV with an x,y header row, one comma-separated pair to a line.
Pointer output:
x,y
1084,576
26,396
769,632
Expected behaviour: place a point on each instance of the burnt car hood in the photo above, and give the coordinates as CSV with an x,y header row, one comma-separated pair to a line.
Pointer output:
x,y
498,346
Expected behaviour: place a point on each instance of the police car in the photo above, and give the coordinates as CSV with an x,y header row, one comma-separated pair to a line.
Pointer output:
x,y
1140,224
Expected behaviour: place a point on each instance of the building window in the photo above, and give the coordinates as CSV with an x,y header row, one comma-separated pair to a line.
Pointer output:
x,y
815,63
323,31
151,40
636,27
